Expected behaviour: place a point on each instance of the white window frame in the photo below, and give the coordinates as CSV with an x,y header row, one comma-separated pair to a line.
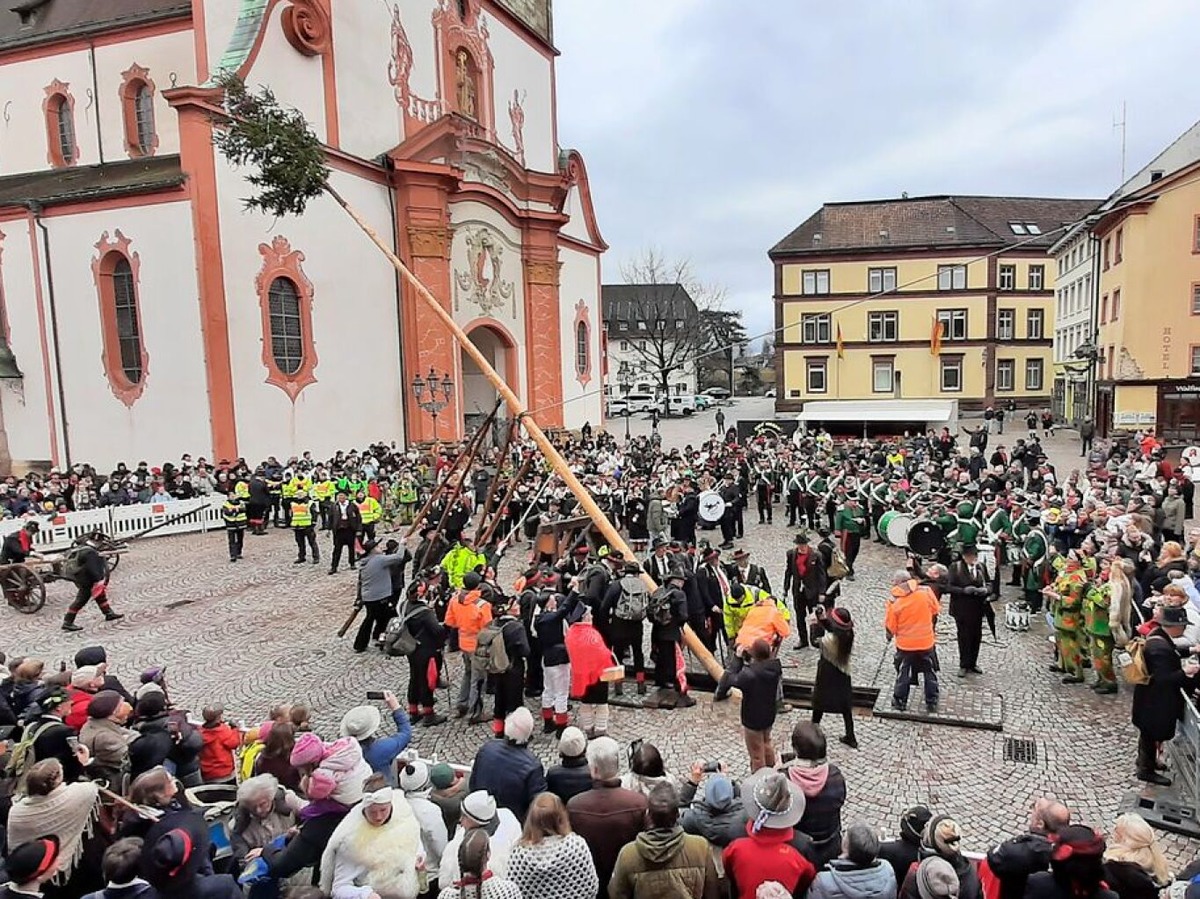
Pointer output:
x,y
1035,365
813,367
881,323
1006,324
1007,277
1195,360
881,280
814,282
947,366
878,367
1040,272
952,277
816,327
1038,316
955,323
1009,383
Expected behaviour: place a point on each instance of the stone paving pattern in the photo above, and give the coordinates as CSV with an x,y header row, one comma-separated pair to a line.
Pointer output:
x,y
264,630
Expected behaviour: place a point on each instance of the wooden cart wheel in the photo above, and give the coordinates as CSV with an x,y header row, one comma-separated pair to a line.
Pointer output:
x,y
24,589
112,562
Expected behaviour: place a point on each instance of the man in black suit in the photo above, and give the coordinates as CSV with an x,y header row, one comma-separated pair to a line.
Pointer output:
x,y
660,563
806,579
712,586
969,586
683,528
345,523
746,572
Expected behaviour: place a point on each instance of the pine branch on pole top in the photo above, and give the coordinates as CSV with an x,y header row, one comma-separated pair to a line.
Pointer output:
x,y
287,167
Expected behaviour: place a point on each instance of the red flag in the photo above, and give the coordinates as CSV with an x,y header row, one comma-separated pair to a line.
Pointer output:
x,y
841,348
935,341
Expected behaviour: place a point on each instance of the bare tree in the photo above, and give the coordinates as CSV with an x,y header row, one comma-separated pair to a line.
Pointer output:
x,y
667,311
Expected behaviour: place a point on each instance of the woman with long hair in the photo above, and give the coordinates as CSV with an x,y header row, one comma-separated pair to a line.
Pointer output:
x,y
1134,865
550,861
275,757
476,881
833,691
1120,603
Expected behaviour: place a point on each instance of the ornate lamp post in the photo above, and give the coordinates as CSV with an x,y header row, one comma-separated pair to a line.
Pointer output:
x,y
625,380
433,394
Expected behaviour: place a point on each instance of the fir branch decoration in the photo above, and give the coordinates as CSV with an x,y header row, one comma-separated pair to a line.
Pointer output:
x,y
285,157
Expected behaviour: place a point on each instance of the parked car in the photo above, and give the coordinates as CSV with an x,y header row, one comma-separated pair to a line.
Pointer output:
x,y
617,408
770,393
641,402
681,404
718,393
703,401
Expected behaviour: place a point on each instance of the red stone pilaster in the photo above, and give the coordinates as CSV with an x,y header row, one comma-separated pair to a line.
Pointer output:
x,y
543,326
426,237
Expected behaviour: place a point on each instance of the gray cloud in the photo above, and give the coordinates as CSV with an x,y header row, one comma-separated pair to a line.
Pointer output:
x,y
713,127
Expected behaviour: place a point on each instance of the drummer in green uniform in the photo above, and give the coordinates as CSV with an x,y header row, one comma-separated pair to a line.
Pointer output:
x,y
1021,528
879,495
849,525
997,531
1035,566
967,514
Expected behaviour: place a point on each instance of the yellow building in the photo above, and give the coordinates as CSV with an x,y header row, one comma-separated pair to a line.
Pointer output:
x,y
1148,323
880,274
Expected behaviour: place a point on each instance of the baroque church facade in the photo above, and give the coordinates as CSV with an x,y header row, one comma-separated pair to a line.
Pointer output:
x,y
150,313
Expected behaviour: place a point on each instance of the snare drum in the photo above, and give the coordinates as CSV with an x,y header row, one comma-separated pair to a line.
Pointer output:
x,y
1016,615
881,529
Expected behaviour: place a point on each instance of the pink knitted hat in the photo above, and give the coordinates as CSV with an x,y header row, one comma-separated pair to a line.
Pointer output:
x,y
308,750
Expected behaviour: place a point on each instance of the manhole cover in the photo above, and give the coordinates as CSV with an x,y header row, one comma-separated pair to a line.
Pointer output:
x,y
1021,750
299,660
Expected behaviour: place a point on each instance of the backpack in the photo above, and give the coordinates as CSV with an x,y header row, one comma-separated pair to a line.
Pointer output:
x,y
837,563
1133,662
491,655
248,758
73,565
21,756
658,608
631,605
398,638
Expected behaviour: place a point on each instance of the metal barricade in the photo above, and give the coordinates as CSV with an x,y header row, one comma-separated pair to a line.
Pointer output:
x,y
1175,808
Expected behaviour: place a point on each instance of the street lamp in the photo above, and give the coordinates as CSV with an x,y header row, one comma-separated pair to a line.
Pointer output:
x,y
433,394
624,380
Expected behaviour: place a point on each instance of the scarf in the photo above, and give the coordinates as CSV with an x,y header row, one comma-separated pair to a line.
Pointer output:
x,y
69,812
809,776
801,564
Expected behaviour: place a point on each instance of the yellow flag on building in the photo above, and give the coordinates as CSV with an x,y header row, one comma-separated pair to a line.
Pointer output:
x,y
935,340
841,349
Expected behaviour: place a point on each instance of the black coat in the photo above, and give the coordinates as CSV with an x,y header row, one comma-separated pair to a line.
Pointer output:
x,y
352,520
569,778
756,576
709,589
52,743
759,683
968,593
673,629
1130,881
304,850
806,591
1043,886
1013,861
1158,705
832,691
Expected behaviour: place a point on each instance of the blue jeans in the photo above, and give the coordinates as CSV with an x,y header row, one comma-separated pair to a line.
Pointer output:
x,y
913,664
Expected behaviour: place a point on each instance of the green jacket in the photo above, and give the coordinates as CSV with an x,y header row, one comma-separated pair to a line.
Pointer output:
x,y
458,561
665,864
851,521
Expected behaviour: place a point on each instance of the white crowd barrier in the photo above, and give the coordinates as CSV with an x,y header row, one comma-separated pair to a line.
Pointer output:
x,y
186,516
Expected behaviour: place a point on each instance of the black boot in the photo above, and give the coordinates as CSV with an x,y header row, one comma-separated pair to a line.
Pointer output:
x,y
69,623
113,616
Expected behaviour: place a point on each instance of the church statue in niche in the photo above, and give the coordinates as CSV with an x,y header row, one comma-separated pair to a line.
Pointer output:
x,y
466,84
516,113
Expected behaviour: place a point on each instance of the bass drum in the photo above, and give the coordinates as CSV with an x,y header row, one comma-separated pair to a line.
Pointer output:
x,y
881,529
925,538
898,528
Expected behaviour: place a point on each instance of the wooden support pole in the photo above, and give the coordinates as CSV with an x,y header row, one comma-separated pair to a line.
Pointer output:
x,y
508,492
518,410
491,494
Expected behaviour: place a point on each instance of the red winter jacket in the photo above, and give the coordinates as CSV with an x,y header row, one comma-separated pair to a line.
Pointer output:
x,y
216,758
77,717
752,860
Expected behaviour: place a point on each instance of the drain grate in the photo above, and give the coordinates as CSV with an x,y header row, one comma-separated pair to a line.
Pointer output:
x,y
1021,750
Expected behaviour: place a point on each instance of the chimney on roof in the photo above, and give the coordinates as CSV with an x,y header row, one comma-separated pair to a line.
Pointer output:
x,y
1156,175
903,195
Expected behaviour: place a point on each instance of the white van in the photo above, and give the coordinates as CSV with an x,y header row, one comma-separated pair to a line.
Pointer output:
x,y
640,402
682,404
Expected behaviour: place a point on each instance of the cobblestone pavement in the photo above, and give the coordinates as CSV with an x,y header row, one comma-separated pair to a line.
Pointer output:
x,y
264,630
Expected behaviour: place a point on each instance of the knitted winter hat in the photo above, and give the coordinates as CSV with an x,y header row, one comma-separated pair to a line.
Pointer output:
x,y
414,777
912,823
104,704
479,806
942,835
307,750
85,675
361,722
441,776
718,792
572,744
936,879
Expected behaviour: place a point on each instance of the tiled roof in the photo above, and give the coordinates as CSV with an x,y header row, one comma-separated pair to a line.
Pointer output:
x,y
942,221
642,302
25,22
91,182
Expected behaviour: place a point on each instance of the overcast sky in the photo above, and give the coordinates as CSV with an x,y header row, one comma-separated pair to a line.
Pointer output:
x,y
711,128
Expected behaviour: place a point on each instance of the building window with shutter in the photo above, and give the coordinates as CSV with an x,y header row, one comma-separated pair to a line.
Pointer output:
x,y
62,150
115,269
285,300
137,106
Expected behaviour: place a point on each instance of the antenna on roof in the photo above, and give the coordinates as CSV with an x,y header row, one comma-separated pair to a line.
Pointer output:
x,y
1123,125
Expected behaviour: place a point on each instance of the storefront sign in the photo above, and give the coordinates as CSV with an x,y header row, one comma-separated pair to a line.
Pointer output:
x,y
1166,349
1135,418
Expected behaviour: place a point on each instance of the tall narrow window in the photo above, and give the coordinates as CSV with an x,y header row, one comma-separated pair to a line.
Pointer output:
x,y
137,105
285,299
582,354
287,333
59,110
115,269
